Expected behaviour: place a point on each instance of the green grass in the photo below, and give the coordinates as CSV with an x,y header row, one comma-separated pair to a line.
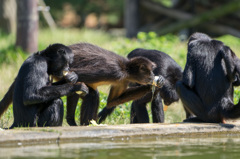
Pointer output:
x,y
11,59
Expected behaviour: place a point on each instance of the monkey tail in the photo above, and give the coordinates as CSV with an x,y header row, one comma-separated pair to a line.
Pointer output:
x,y
7,99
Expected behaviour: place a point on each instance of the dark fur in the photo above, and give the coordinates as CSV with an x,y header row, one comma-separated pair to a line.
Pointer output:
x,y
96,66
211,71
167,68
36,102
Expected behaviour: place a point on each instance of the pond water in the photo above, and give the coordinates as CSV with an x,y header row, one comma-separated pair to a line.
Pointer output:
x,y
147,148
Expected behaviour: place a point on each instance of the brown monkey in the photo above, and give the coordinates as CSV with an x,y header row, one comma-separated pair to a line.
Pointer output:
x,y
96,66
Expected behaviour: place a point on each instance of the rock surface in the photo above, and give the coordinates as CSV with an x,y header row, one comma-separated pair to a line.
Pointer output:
x,y
32,136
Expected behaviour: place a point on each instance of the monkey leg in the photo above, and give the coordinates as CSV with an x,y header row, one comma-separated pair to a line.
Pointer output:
x,y
89,107
52,115
104,113
133,115
191,102
231,111
130,94
139,113
157,109
72,101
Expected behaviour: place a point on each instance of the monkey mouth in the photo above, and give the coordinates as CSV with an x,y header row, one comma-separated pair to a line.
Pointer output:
x,y
65,73
149,81
58,75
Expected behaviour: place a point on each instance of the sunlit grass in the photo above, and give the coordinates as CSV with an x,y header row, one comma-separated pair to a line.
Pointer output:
x,y
12,58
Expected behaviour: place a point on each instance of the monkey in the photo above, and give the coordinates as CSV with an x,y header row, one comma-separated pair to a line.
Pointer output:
x,y
36,101
210,74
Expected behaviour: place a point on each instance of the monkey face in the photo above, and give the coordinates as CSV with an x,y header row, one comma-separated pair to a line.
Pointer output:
x,y
146,75
140,70
59,58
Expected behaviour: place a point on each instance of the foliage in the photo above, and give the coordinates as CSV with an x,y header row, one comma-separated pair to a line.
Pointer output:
x,y
169,44
112,9
12,58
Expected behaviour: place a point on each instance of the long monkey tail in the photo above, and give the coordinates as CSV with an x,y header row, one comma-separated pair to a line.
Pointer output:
x,y
7,99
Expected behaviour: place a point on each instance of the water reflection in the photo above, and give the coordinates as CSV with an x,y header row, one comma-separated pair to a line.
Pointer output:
x,y
150,148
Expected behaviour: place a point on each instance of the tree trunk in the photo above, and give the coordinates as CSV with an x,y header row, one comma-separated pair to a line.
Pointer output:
x,y
8,16
27,25
131,18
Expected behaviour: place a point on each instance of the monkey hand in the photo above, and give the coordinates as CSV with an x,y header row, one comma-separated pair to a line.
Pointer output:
x,y
81,89
71,77
158,81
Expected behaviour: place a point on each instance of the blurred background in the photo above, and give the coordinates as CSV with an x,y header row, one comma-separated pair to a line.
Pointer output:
x,y
117,25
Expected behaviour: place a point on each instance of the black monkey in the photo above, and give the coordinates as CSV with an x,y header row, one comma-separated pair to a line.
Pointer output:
x,y
36,101
171,72
206,89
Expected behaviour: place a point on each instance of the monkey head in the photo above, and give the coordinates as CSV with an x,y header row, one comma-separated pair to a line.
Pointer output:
x,y
140,70
58,57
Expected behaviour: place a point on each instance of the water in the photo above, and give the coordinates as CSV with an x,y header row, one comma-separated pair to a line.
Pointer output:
x,y
147,148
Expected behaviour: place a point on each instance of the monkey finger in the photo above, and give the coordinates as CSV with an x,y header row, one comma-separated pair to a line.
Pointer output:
x,y
159,80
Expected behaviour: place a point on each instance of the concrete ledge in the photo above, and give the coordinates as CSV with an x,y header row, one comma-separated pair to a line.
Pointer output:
x,y
32,136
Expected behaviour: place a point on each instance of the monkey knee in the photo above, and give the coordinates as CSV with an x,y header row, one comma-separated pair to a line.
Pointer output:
x,y
58,102
53,114
58,107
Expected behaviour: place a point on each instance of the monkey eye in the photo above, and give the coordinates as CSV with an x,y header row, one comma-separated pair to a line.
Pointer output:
x,y
143,68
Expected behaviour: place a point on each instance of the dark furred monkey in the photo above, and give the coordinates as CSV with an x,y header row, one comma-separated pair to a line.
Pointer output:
x,y
211,71
96,66
166,67
36,101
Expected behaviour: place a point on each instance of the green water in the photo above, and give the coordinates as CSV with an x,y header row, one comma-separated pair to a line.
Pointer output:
x,y
147,148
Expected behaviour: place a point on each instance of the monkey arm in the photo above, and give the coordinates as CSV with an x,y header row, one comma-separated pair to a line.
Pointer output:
x,y
59,82
48,93
229,63
237,74
7,99
189,73
132,93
